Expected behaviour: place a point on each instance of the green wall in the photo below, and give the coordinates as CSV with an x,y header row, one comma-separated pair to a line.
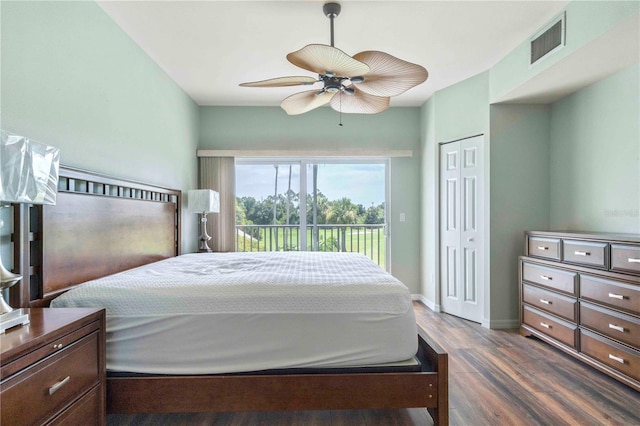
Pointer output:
x,y
73,79
571,165
595,156
586,20
256,128
519,199
457,112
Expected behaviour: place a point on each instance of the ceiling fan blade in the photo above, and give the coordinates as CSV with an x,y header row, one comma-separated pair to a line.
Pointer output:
x,y
305,101
320,58
282,82
389,76
359,103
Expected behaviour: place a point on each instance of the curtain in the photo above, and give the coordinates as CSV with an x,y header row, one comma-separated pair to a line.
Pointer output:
x,y
218,173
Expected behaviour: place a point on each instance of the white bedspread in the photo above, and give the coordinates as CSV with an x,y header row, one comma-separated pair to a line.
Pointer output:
x,y
230,312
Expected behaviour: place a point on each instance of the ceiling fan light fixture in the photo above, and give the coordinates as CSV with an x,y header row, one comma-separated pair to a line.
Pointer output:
x,y
341,73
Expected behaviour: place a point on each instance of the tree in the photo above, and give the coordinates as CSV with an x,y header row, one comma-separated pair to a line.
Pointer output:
x,y
344,212
374,214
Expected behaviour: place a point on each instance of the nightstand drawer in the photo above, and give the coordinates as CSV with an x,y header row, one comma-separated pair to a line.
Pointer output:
x,y
557,304
593,254
612,293
51,384
614,355
548,248
83,412
553,327
555,279
621,327
625,258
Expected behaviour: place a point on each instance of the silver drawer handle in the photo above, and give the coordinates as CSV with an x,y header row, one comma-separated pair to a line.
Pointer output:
x,y
546,302
546,278
582,253
616,327
616,358
57,346
632,260
616,296
53,389
545,325
543,248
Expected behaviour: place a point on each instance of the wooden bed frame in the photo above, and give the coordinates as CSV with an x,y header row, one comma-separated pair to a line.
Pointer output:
x,y
101,225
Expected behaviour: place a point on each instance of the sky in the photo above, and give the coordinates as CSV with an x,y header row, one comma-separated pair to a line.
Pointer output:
x,y
362,183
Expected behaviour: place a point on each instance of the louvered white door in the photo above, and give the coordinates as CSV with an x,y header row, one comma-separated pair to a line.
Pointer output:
x,y
461,233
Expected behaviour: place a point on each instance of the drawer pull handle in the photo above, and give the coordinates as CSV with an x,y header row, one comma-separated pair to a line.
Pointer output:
x,y
616,327
57,346
616,358
545,325
543,248
546,278
582,253
545,301
53,389
632,260
616,296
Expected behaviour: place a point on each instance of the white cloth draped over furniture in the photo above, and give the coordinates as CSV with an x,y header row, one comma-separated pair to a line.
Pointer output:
x,y
218,173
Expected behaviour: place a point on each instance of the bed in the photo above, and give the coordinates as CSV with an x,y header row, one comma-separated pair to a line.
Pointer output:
x,y
107,235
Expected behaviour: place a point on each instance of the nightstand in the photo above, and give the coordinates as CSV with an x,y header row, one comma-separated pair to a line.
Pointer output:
x,y
53,369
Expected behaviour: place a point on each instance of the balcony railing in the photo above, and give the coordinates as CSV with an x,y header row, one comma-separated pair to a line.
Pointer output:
x,y
369,240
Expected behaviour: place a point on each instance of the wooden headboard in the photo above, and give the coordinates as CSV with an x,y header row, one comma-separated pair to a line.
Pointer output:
x,y
98,226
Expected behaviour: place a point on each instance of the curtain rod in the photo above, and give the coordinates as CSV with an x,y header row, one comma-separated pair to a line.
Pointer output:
x,y
357,153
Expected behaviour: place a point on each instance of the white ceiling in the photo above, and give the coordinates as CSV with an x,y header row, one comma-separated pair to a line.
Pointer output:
x,y
209,47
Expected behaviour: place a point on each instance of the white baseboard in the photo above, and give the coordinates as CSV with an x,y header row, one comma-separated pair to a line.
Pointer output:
x,y
501,324
426,302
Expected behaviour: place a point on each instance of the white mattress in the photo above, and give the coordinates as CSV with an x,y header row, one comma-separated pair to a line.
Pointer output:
x,y
236,312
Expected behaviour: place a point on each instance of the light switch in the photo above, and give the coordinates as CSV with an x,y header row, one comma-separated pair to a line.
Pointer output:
x,y
402,217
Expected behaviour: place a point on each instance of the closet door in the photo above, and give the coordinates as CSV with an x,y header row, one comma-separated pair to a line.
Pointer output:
x,y
461,233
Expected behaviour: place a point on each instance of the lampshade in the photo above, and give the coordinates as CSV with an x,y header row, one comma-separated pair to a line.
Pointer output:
x,y
204,201
29,170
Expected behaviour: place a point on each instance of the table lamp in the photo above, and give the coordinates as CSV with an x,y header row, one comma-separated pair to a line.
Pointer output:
x,y
204,201
28,174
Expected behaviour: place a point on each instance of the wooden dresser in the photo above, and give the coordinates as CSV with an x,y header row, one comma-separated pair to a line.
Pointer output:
x,y
581,293
52,370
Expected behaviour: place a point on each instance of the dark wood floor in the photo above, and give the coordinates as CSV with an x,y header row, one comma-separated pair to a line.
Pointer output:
x,y
496,377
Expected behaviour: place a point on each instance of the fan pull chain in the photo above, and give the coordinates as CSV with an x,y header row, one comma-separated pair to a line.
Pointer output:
x,y
340,124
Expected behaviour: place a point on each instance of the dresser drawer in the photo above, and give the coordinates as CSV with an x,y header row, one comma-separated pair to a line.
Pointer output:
x,y
612,293
553,327
548,248
621,327
587,253
555,279
608,352
555,303
51,384
625,258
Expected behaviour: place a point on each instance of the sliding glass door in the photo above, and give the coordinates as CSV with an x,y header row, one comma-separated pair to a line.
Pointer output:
x,y
343,208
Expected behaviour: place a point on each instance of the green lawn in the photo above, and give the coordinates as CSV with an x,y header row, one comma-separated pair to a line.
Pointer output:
x,y
370,242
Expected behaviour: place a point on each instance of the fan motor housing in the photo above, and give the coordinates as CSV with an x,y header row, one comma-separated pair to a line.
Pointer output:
x,y
332,84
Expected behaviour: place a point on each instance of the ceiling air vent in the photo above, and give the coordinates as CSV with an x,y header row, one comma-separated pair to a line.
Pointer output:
x,y
548,40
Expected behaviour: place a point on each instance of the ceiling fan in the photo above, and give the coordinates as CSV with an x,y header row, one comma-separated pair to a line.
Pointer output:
x,y
361,84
